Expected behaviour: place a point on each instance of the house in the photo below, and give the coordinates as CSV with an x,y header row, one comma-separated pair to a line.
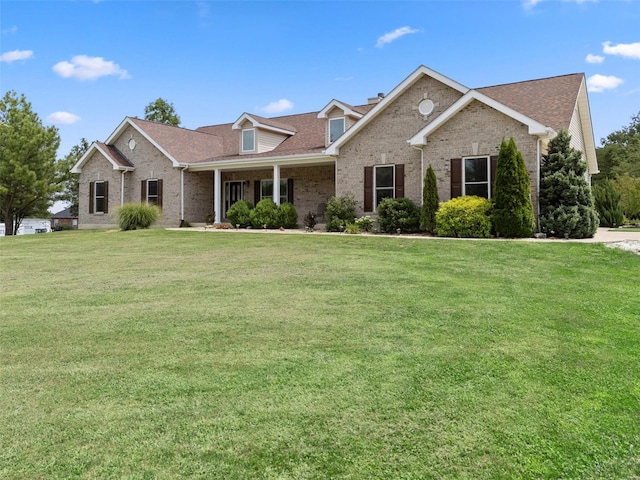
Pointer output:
x,y
370,151
64,220
29,226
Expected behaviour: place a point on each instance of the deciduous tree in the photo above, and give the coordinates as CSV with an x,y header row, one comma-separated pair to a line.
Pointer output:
x,y
161,111
70,180
28,173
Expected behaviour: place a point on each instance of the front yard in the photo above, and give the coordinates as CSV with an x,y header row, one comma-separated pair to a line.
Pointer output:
x,y
172,354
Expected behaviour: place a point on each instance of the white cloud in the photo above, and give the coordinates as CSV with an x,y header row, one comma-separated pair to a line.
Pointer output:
x,y
396,34
529,4
84,67
594,58
62,117
280,106
599,83
13,29
9,57
628,50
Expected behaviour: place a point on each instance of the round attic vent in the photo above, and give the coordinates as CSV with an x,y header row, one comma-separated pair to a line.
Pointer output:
x,y
426,106
132,144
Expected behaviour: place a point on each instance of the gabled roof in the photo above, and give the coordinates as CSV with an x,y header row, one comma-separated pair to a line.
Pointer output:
x,y
535,128
115,158
270,124
345,107
417,74
66,213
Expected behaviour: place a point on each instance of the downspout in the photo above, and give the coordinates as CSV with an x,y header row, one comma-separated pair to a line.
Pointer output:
x,y
421,148
182,195
122,187
538,184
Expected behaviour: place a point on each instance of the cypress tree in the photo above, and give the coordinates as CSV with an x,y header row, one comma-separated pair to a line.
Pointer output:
x,y
566,203
607,201
430,202
512,211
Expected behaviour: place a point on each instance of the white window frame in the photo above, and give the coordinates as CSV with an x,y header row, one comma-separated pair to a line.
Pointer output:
x,y
464,174
332,120
157,195
376,202
242,140
284,186
96,196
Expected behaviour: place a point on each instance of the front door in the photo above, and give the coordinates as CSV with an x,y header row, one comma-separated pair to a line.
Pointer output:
x,y
233,191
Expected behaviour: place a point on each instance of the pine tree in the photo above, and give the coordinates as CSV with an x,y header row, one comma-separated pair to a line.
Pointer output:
x,y
430,202
513,211
607,201
566,203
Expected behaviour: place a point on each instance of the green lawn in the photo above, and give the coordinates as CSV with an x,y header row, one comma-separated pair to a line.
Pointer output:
x,y
173,354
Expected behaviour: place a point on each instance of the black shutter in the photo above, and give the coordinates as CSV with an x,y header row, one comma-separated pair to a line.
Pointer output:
x,y
160,193
91,193
290,190
399,180
256,192
368,189
106,197
456,177
492,175
143,191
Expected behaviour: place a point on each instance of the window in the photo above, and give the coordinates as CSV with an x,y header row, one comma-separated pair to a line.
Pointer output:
x,y
152,192
266,190
99,197
248,140
336,128
476,177
384,182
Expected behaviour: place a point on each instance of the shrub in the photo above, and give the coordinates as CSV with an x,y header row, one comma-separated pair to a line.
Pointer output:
x,y
629,189
340,212
464,217
352,229
566,203
365,224
310,220
607,201
398,213
132,216
265,213
288,216
430,202
512,214
240,213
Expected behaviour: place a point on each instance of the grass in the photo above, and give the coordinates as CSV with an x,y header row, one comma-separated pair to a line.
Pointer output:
x,y
164,354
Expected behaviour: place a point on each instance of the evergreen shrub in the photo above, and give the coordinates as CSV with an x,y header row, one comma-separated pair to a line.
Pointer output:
x,y
340,212
240,213
132,216
265,213
607,202
352,229
288,216
512,214
629,189
430,202
398,213
464,217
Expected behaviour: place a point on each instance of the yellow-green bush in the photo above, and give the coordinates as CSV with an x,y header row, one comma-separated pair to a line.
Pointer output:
x,y
132,216
464,217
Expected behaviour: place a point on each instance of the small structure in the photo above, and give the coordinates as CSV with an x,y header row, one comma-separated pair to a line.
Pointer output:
x,y
30,226
63,220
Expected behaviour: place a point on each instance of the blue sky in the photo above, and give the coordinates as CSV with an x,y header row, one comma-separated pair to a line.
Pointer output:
x,y
85,65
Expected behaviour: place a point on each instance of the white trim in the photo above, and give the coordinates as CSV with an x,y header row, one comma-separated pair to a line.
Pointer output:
x,y
237,125
375,185
488,181
535,128
338,104
128,121
217,187
77,168
276,184
587,129
344,127
311,159
255,141
421,71
95,196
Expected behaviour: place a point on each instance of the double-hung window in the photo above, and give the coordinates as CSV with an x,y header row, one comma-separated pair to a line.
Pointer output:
x,y
384,182
153,192
476,176
266,190
249,140
336,128
99,197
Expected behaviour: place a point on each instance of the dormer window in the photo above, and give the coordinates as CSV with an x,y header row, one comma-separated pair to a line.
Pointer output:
x,y
336,128
249,140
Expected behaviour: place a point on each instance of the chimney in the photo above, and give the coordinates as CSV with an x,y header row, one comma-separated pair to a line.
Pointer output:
x,y
377,99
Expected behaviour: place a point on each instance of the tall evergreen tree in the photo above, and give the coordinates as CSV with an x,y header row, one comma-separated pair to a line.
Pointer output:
x,y
430,202
512,211
607,202
28,174
566,203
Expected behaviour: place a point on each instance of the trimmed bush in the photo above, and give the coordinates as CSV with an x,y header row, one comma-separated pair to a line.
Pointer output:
x,y
340,212
132,216
288,216
265,213
512,214
398,213
430,202
365,224
240,213
464,217
607,201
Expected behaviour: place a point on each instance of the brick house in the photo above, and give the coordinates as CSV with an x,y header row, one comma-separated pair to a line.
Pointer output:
x,y
369,151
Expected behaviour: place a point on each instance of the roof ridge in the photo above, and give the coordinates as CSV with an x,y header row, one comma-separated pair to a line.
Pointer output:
x,y
531,80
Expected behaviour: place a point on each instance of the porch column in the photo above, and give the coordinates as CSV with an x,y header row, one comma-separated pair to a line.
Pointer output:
x,y
276,184
217,193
